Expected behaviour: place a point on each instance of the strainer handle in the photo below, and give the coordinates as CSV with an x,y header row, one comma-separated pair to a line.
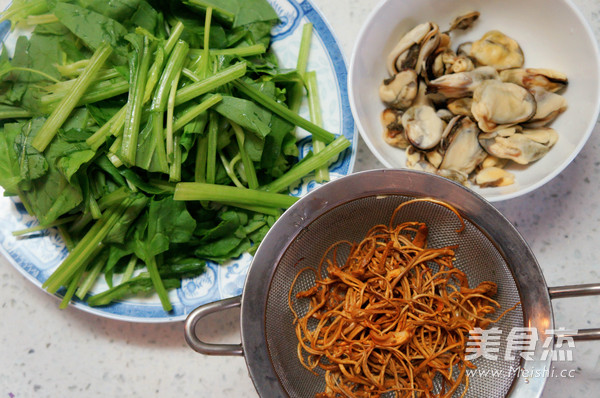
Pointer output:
x,y
196,315
591,289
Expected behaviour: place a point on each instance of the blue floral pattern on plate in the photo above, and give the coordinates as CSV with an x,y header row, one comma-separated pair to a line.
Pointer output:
x,y
37,256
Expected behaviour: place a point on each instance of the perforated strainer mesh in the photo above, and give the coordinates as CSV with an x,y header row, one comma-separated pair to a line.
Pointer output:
x,y
476,256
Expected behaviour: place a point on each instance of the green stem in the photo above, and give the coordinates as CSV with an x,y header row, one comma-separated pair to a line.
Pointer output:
x,y
225,14
172,68
73,283
229,194
270,211
35,71
203,66
135,103
220,78
42,227
283,111
27,8
154,73
158,284
170,117
97,92
175,170
242,51
211,153
159,139
100,136
314,107
89,280
174,36
249,169
305,167
195,111
14,113
68,103
41,19
85,248
200,165
190,75
298,90
229,170
128,273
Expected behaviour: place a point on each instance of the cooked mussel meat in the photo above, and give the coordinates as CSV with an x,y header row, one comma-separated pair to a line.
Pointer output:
x,y
497,50
400,90
530,78
497,105
423,127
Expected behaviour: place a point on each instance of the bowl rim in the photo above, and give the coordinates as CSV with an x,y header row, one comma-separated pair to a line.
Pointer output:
x,y
497,198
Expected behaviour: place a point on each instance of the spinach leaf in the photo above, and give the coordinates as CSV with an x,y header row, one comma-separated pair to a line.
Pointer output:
x,y
10,171
239,12
245,113
167,221
74,151
91,27
32,164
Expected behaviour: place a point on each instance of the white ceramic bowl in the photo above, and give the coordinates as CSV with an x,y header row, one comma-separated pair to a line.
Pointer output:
x,y
552,34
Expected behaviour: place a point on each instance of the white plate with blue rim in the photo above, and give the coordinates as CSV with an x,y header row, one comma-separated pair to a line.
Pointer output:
x,y
36,257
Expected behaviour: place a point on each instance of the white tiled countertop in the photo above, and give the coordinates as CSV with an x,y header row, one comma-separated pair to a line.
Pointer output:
x,y
47,352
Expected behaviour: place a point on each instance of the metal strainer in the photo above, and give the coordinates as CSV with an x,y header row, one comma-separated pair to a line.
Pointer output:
x,y
490,248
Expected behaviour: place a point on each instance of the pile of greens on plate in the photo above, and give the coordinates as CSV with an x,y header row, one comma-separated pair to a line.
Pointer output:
x,y
155,135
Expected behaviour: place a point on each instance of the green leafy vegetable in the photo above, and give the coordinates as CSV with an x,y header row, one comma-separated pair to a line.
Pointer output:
x,y
156,136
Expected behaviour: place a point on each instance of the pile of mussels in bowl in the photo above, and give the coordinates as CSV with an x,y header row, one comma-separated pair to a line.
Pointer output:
x,y
497,95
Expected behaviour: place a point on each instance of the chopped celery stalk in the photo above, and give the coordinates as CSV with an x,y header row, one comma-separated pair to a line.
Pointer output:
x,y
284,112
307,166
229,194
220,78
70,101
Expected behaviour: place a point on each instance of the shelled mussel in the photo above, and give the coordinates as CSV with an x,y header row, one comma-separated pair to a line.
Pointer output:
x,y
468,113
